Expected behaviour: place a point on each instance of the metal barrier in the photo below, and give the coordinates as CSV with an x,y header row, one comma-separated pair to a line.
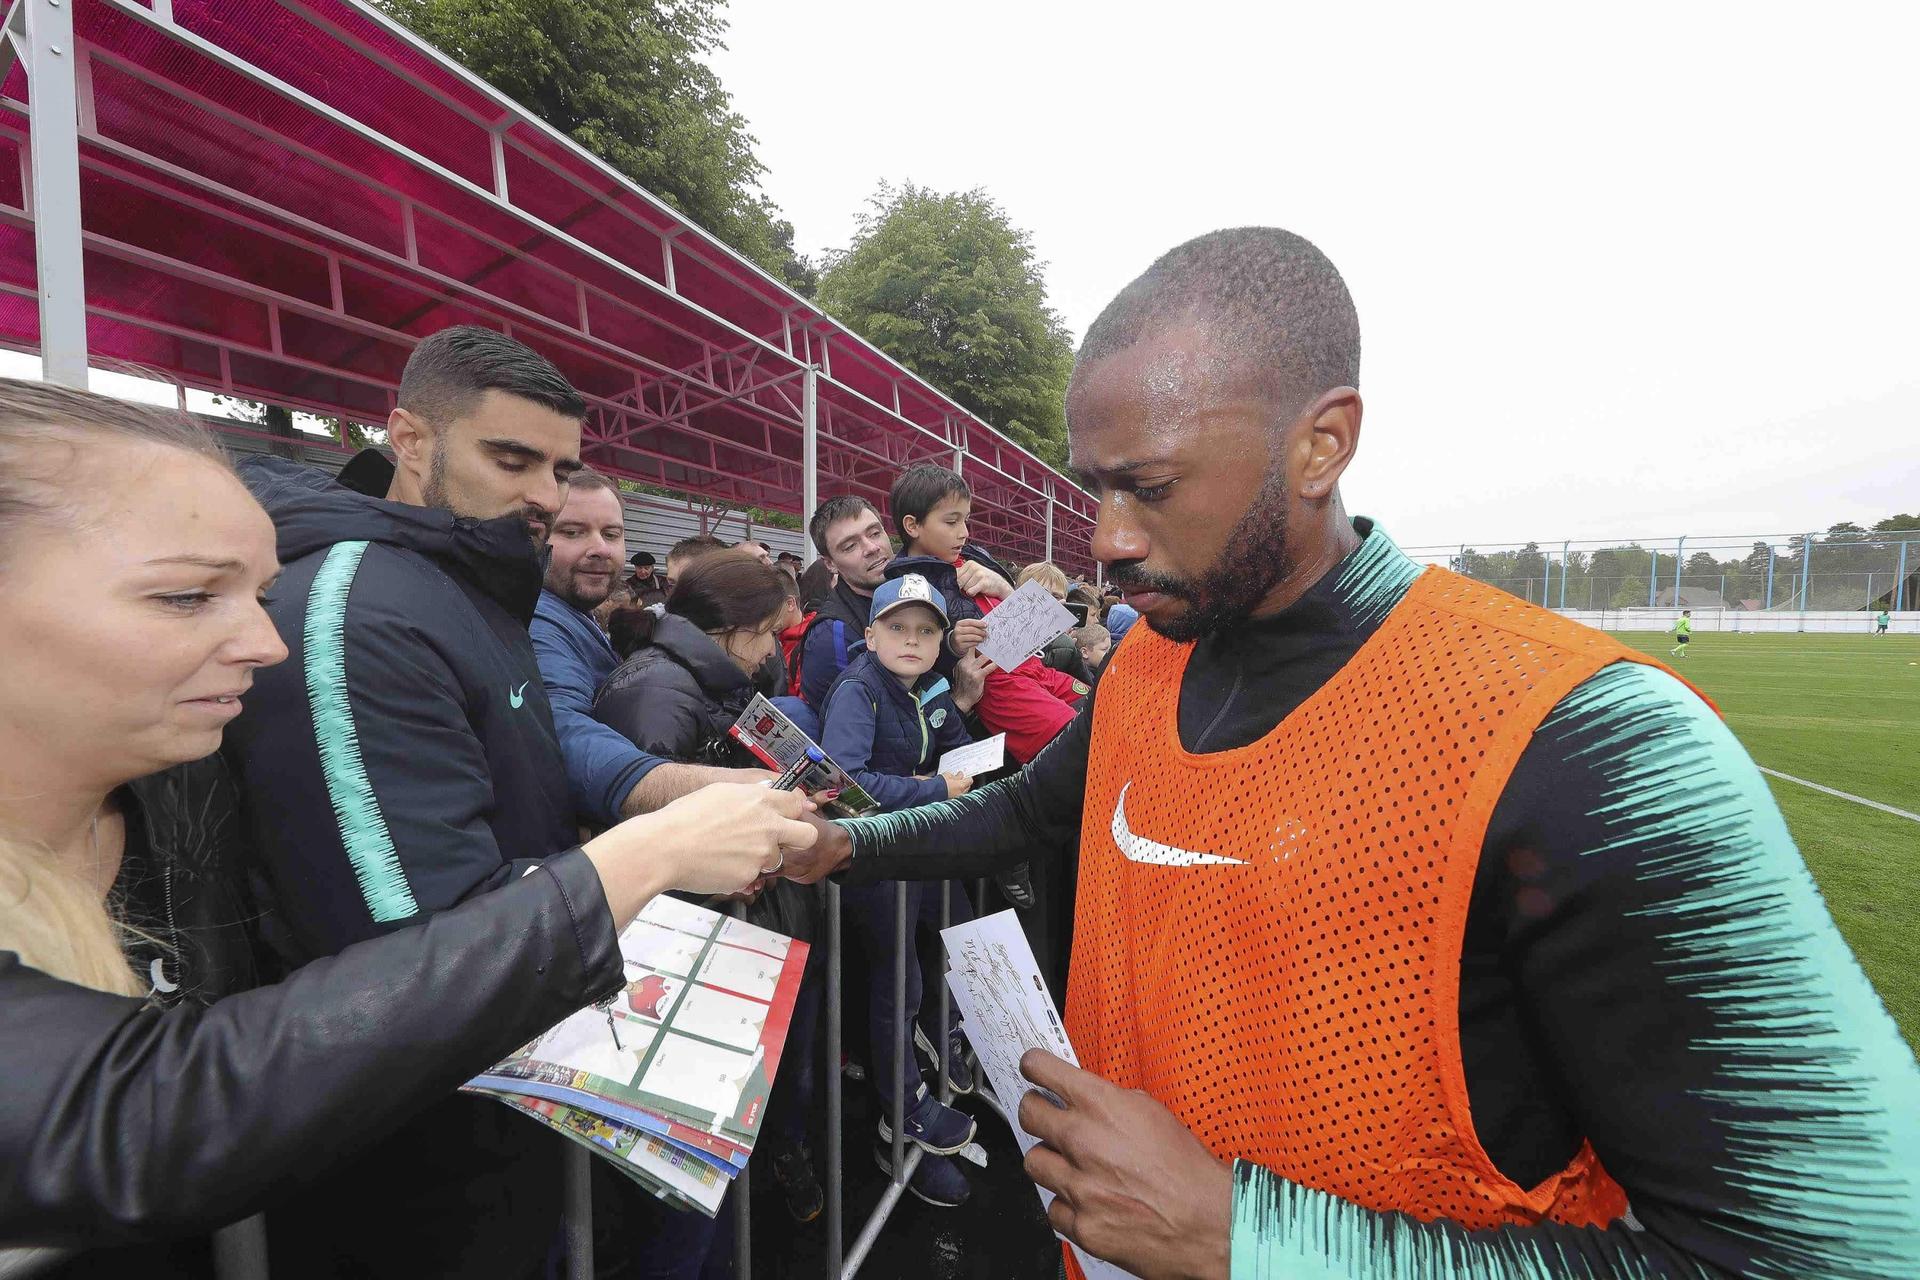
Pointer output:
x,y
843,1263
241,1248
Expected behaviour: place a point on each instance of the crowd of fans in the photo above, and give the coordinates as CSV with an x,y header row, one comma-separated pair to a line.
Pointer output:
x,y
861,667
332,834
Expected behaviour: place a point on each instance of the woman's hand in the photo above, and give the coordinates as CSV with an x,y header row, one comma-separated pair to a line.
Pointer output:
x,y
958,784
719,839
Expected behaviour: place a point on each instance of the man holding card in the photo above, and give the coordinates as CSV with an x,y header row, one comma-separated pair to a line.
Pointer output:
x,y
1420,931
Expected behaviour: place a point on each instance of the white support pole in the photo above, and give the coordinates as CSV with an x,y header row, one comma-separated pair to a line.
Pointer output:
x,y
55,132
809,459
1049,555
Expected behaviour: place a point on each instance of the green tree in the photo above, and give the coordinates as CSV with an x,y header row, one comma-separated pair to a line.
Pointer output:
x,y
948,286
628,80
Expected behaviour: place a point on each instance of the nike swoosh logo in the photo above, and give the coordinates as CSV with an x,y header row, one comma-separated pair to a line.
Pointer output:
x,y
517,696
1151,852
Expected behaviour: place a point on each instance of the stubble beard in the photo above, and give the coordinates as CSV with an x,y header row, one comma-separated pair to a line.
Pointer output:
x,y
1255,560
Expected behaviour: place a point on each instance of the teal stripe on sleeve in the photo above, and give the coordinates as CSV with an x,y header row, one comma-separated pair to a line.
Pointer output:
x,y
1818,1099
363,830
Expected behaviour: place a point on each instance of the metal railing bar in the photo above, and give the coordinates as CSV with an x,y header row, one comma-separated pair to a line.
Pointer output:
x,y
902,1038
881,1212
836,1140
742,1192
577,1217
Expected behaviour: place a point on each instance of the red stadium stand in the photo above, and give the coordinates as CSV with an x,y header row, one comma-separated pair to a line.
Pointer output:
x,y
275,199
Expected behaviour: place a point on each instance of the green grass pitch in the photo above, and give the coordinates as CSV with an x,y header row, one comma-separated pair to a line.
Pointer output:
x,y
1842,711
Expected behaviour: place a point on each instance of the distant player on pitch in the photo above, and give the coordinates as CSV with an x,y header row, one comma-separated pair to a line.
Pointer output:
x,y
1682,632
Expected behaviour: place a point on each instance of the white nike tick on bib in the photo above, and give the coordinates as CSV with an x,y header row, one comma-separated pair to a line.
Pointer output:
x,y
1151,852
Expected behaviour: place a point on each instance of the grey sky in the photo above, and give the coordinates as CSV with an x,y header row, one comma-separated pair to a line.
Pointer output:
x,y
1635,271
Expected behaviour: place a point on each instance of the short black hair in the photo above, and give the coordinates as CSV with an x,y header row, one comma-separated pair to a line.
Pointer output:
x,y
1278,303
830,512
450,370
919,490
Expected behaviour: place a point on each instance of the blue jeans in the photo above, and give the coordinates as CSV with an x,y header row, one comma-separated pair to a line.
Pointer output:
x,y
868,914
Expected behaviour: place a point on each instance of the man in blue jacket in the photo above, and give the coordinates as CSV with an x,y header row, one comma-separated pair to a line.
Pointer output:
x,y
404,760
608,778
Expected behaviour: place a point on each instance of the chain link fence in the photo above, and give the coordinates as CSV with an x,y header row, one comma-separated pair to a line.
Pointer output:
x,y
1837,571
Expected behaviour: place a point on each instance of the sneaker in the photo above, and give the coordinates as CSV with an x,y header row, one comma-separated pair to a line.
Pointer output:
x,y
936,1180
959,1073
932,1124
793,1170
1016,886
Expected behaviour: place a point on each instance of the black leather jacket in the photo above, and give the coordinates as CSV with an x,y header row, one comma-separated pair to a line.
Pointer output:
x,y
126,1120
182,886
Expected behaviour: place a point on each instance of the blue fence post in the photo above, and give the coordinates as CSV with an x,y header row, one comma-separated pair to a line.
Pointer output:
x,y
1900,580
1563,571
1806,576
1679,560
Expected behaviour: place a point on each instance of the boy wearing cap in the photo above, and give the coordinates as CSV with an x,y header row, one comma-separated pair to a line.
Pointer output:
x,y
887,720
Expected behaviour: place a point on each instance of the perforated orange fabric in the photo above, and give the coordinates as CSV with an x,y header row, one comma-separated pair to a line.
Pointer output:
x,y
1275,956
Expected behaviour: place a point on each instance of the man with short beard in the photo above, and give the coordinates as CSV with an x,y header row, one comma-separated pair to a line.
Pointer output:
x,y
1420,931
404,760
608,778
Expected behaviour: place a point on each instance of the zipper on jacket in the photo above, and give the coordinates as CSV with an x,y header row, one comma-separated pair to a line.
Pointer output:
x,y
926,745
606,1007
173,930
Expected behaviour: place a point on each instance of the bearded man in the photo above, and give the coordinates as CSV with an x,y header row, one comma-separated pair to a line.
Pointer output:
x,y
1420,932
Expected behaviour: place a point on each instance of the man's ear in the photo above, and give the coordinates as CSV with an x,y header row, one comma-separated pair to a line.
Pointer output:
x,y
1326,436
410,439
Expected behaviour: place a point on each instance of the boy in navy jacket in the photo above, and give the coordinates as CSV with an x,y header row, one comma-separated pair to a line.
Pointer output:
x,y
888,719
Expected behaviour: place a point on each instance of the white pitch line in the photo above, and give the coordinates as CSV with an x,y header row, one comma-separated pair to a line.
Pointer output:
x,y
1871,804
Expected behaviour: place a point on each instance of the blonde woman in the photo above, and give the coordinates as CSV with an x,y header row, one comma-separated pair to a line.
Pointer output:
x,y
145,1094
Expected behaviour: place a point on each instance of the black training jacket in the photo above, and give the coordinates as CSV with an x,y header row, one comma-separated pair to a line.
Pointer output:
x,y
403,758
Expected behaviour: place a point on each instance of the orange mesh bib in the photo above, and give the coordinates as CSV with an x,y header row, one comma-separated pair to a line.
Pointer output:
x,y
1267,940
